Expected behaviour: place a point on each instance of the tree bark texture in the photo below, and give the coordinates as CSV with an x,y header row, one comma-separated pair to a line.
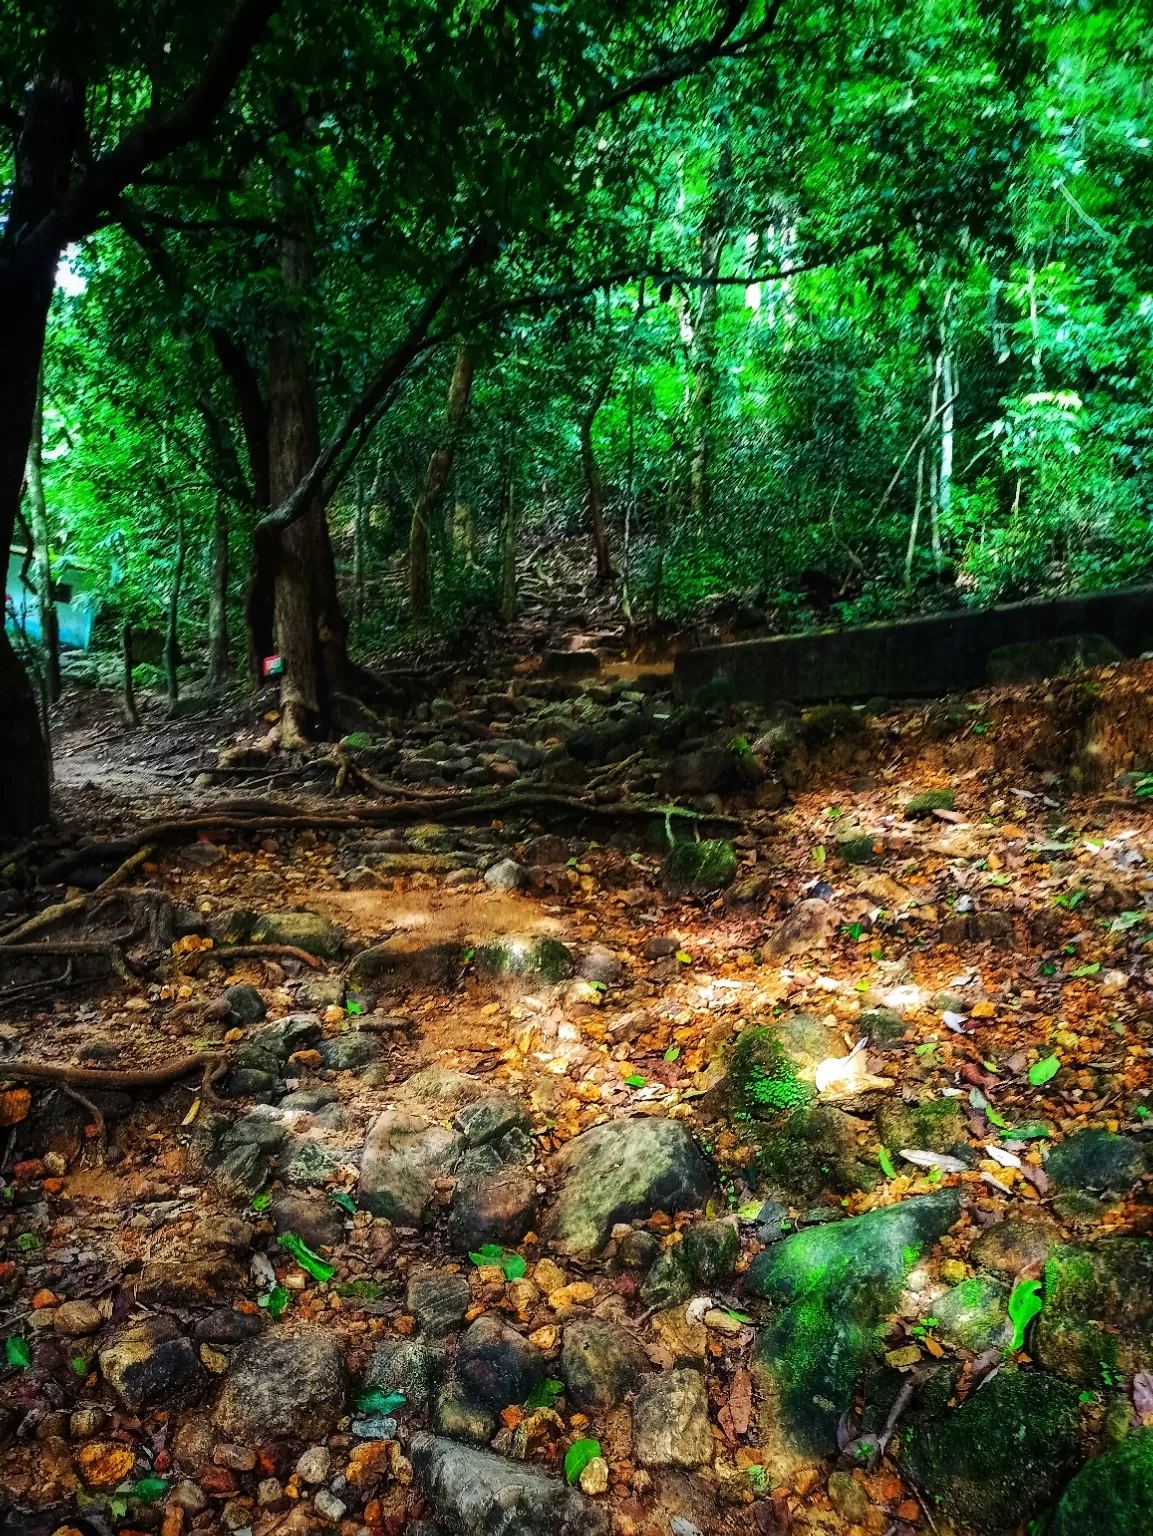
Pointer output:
x,y
714,232
594,485
172,632
436,479
45,595
219,664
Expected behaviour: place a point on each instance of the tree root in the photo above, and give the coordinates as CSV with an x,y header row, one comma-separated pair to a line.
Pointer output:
x,y
97,1117
63,909
102,1079
261,952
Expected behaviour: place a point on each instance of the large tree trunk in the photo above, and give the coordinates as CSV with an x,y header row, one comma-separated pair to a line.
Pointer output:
x,y
594,486
45,596
219,665
714,232
436,479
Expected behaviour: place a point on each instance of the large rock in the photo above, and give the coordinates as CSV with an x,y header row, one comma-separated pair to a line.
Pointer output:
x,y
1096,1160
1010,1246
495,1366
535,956
601,1363
1097,1322
303,930
475,1493
671,1421
408,960
834,1286
999,1456
404,1155
622,1170
495,1200
152,1366
1111,1496
934,1126
283,1388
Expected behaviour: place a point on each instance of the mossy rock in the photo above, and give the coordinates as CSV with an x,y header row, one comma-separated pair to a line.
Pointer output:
x,y
834,1286
698,869
1001,1455
865,849
1111,1496
543,958
974,1315
309,931
765,1077
1097,1321
827,721
933,1126
928,802
431,837
1096,1160
704,1258
813,1152
882,1025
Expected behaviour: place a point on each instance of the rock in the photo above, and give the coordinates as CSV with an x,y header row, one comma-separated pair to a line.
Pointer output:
x,y
601,1363
318,1222
848,1497
547,851
309,1164
187,1282
833,1286
505,875
461,1418
309,931
77,1319
700,772
438,1301
1112,1495
494,1201
1001,1455
1097,1322
974,1315
241,1173
314,1465
594,1478
882,1026
321,992
933,1126
226,1325
812,1151
1096,1160
809,925
671,1420
476,1493
408,961
621,1170
411,1366
404,1155
488,1118
637,1251
704,1257
280,1387
600,963
279,1040
353,1049
251,1083
700,869
1032,661
328,1506
1013,1245
231,927
495,1366
533,955
151,1365
440,1091
927,802
245,1004
310,1100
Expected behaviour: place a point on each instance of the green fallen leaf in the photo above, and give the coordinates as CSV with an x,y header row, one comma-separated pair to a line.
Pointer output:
x,y
344,1200
577,1458
634,1081
819,854
750,1210
672,1053
117,1508
886,1163
488,1256
354,1008
276,1301
738,1317
1031,1132
261,1202
514,1266
995,1118
18,1352
79,1364
29,1242
1041,1071
544,1396
149,1489
1024,1304
1087,970
685,959
373,1400
311,1262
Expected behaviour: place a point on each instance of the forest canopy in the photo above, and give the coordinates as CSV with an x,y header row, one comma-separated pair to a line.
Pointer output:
x,y
315,315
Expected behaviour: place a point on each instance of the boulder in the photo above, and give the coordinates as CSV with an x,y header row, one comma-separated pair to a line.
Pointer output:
x,y
355,1048
974,1315
531,955
671,1420
1096,1160
314,934
495,1200
1112,1495
488,1118
495,1365
601,1363
621,1170
504,875
152,1365
407,960
404,1155
1001,1455
475,1493
1097,1322
281,1387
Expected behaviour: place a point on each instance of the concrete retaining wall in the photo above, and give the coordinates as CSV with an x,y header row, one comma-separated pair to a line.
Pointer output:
x,y
922,657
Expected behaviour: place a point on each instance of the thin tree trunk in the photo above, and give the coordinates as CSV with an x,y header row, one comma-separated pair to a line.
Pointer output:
x,y
508,594
131,713
46,599
594,486
436,480
916,523
714,232
359,532
172,633
945,478
219,664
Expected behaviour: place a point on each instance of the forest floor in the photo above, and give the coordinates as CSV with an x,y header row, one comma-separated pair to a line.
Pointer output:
x,y
521,1128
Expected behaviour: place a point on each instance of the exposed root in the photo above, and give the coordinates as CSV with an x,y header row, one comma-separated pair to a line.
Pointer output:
x,y
261,952
131,1081
63,909
97,1117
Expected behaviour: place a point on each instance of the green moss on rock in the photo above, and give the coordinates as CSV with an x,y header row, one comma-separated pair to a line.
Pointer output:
x,y
974,1315
829,720
811,1152
1111,1496
1096,1160
1097,1320
999,1456
932,1127
547,959
696,869
764,1077
929,801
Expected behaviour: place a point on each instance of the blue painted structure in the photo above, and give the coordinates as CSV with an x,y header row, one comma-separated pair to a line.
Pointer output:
x,y
76,604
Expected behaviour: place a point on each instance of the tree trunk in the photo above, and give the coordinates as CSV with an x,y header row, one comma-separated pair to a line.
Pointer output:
x,y
436,479
45,596
172,633
219,665
594,485
508,593
714,232
131,713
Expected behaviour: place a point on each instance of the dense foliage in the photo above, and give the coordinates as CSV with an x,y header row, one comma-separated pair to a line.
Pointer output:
x,y
847,316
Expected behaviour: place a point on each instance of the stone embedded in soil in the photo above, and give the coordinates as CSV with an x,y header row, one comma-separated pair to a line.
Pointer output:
x,y
600,963
77,1319
1013,1245
241,1173
412,1366
495,1365
438,1300
532,955
601,1363
812,1151
834,1286
404,1155
504,875
151,1365
1097,1321
671,1420
226,1325
408,961
476,1493
245,1004
974,1315
458,1416
1096,1160
1112,1495
621,1170
702,1259
280,1039
282,1387
488,1118
934,1126
187,1282
494,1201
699,869
809,925
317,1221
314,934
346,1052
309,1164
1001,1455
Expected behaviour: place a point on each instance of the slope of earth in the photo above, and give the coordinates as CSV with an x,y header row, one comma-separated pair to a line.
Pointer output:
x,y
604,1113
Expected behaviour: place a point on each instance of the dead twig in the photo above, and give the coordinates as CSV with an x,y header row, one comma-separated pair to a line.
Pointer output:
x,y
97,1116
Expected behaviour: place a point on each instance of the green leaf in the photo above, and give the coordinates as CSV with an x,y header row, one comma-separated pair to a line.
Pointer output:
x,y
488,1256
373,1400
750,1210
18,1352
672,1053
79,1365
514,1266
544,1396
276,1301
994,1117
29,1242
117,1508
634,1081
150,1489
1041,1071
578,1456
1031,1132
1087,970
261,1202
1024,1304
886,1163
683,956
354,1008
737,1317
311,1262
819,854
344,1200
